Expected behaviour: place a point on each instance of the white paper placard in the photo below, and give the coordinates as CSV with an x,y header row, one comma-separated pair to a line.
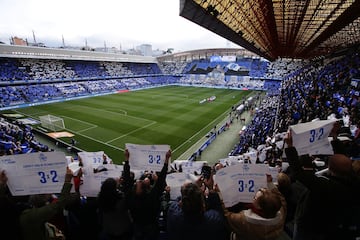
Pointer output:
x,y
240,182
93,159
274,172
252,156
230,161
92,181
74,167
187,166
312,137
175,181
34,173
147,157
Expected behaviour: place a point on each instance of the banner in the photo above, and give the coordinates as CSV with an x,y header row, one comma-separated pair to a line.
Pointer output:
x,y
34,173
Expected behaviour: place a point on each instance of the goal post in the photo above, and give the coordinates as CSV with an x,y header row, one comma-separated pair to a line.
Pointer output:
x,y
52,123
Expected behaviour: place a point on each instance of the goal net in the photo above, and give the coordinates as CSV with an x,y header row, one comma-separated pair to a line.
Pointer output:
x,y
52,122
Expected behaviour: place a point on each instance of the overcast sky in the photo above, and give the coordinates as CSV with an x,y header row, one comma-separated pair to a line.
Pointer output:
x,y
125,23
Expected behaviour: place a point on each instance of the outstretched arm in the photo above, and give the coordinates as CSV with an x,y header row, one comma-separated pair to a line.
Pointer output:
x,y
160,183
126,172
46,212
3,182
337,145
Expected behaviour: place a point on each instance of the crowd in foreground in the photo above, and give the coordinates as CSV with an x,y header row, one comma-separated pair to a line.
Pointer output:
x,y
299,205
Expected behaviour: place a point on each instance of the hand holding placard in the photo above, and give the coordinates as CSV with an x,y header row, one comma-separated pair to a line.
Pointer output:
x,y
34,173
3,178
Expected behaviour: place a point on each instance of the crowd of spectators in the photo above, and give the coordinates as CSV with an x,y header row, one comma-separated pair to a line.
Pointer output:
x,y
282,67
302,205
34,80
260,127
317,91
298,205
17,138
43,71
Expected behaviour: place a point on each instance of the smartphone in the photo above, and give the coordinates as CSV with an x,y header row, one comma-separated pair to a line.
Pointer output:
x,y
206,172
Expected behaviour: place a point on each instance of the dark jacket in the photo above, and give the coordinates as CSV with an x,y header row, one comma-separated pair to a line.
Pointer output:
x,y
328,203
32,221
210,226
116,222
145,208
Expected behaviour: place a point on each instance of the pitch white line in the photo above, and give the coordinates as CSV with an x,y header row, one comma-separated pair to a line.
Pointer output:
x,y
211,123
201,139
116,113
148,125
87,123
104,143
89,128
109,145
37,114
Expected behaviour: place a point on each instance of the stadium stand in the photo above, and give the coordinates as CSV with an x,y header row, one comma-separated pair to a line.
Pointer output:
x,y
316,197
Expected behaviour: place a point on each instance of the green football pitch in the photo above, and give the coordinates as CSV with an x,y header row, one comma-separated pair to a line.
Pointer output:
x,y
169,115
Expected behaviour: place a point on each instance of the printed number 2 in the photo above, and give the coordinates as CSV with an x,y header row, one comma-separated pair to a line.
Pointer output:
x,y
242,186
153,158
43,176
316,136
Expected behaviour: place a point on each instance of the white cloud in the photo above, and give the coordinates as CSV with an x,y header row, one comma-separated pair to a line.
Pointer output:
x,y
116,22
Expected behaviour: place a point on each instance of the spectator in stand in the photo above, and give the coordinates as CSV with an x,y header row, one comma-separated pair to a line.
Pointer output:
x,y
264,219
114,215
144,199
291,192
356,167
330,207
9,223
193,218
33,221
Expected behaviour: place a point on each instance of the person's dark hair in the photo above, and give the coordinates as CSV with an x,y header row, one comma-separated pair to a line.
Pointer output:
x,y
192,200
340,165
269,203
284,183
108,195
306,161
38,200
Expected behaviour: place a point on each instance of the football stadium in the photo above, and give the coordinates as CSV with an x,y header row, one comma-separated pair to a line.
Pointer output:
x,y
261,141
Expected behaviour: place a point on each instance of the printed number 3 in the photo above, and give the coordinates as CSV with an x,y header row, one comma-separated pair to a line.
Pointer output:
x,y
242,186
43,176
153,158
316,136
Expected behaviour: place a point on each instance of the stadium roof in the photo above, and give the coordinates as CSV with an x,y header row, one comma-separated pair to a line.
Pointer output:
x,y
280,28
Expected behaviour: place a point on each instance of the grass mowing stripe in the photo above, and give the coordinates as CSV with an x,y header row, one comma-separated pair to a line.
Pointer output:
x,y
166,115
131,132
87,123
115,113
190,150
210,124
93,139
